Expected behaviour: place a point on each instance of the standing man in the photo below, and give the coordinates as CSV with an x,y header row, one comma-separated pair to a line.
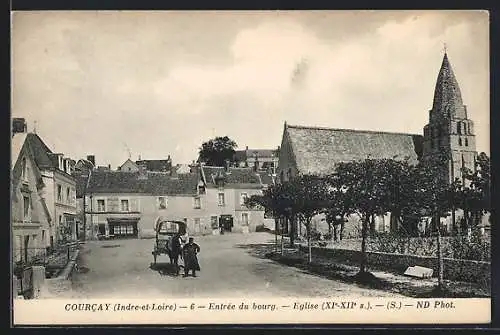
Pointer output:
x,y
175,251
190,251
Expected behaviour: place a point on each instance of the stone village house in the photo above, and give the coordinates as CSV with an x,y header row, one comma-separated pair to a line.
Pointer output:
x,y
42,195
123,204
30,217
258,159
315,150
60,190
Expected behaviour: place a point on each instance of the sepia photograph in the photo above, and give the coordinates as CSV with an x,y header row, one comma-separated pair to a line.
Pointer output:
x,y
203,163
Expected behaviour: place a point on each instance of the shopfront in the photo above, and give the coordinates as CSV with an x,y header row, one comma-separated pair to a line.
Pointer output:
x,y
123,227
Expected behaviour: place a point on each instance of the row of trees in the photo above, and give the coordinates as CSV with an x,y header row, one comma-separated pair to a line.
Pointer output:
x,y
373,187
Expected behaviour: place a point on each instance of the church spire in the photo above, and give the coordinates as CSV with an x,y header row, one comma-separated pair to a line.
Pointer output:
x,y
447,94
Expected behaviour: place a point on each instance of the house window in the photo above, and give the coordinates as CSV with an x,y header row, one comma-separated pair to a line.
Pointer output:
x,y
460,141
244,219
243,197
68,196
59,193
124,205
101,205
466,142
60,220
197,202
197,225
162,202
24,174
213,222
222,200
26,206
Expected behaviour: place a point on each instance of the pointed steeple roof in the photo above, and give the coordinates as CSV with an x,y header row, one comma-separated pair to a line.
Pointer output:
x,y
447,94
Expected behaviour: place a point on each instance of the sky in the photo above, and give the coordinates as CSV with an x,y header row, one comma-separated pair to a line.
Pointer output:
x,y
159,83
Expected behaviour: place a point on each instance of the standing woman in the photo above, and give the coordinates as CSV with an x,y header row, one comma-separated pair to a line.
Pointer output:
x,y
190,251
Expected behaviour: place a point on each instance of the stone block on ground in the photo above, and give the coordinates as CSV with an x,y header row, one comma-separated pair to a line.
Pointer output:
x,y
419,272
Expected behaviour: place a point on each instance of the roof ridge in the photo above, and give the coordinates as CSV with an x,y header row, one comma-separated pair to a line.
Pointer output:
x,y
352,130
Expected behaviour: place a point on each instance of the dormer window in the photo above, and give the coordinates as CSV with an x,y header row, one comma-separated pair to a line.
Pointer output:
x,y
24,173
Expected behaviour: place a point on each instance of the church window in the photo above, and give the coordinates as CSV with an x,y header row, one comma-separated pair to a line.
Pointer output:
x,y
465,128
466,142
459,141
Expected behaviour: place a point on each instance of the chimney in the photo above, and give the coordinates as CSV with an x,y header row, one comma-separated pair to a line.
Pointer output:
x,y
19,125
246,148
91,158
109,166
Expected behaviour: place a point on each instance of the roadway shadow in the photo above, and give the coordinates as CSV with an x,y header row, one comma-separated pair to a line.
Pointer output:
x,y
260,250
166,269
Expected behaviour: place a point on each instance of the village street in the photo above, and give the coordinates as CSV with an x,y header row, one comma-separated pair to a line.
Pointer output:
x,y
232,265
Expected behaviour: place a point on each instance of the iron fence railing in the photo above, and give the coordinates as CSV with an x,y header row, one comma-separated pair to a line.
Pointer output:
x,y
24,257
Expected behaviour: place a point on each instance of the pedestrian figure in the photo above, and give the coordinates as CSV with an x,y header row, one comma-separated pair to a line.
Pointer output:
x,y
175,251
190,251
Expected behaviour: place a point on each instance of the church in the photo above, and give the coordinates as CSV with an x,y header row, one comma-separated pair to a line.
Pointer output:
x,y
316,150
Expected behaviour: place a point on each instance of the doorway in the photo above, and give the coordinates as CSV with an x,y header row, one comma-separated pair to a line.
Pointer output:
x,y
226,222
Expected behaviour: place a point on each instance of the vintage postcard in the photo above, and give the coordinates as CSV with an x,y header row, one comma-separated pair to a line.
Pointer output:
x,y
253,167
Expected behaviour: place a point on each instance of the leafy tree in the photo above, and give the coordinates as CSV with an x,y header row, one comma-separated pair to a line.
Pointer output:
x,y
366,186
217,151
309,199
278,199
338,207
435,198
476,193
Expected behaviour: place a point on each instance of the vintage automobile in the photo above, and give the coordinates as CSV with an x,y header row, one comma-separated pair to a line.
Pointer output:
x,y
165,230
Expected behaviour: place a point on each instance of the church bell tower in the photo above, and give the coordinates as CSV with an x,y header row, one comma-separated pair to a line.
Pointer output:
x,y
449,130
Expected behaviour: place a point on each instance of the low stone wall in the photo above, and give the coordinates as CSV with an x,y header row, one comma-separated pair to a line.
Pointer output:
x,y
61,283
454,269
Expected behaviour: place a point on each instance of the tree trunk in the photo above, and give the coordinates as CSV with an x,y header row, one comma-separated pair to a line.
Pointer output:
x,y
292,231
330,230
281,243
341,234
276,228
335,233
440,256
372,225
364,232
453,221
308,230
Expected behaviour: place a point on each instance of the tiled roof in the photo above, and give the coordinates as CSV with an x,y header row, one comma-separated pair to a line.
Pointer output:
x,y
244,154
17,143
42,154
158,165
241,176
156,183
317,150
81,182
19,140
